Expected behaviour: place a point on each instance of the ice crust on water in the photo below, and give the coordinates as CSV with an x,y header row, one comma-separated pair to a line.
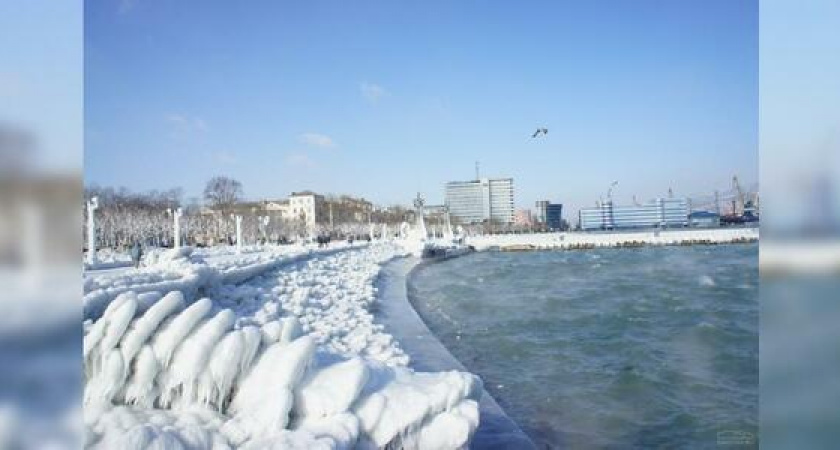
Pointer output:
x,y
292,359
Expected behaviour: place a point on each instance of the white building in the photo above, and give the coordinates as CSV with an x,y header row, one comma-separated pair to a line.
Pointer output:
x,y
542,211
481,200
308,207
659,213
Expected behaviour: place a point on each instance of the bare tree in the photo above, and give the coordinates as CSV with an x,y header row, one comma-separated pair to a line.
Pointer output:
x,y
222,193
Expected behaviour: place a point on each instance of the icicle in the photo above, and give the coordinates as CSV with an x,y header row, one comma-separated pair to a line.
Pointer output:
x,y
174,332
143,327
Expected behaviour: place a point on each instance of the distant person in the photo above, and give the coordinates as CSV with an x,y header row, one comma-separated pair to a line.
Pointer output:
x,y
136,253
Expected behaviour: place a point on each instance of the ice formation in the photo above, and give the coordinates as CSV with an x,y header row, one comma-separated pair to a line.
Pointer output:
x,y
291,359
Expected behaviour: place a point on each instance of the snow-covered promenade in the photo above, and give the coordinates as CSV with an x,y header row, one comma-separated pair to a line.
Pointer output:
x,y
577,240
270,349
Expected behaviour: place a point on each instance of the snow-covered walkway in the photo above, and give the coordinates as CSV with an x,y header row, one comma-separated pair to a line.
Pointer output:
x,y
186,355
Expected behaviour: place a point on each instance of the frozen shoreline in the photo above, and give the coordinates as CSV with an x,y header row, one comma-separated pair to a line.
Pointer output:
x,y
261,351
583,240
496,430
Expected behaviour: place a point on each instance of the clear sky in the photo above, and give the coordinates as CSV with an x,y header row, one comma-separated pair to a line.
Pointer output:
x,y
383,99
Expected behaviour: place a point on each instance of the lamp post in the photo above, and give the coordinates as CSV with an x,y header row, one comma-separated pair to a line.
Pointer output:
x,y
448,233
609,191
238,219
176,215
419,203
611,217
263,223
92,205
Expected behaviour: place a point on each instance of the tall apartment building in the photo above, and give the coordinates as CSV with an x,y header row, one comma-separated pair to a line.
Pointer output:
x,y
481,200
540,215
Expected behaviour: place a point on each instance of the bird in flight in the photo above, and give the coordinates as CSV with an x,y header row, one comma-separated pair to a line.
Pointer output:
x,y
544,131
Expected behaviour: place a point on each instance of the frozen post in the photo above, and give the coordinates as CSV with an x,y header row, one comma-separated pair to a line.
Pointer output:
x,y
448,232
263,221
238,219
177,230
384,231
371,230
421,224
92,205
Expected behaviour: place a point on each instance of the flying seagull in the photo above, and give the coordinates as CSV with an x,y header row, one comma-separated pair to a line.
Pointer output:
x,y
544,131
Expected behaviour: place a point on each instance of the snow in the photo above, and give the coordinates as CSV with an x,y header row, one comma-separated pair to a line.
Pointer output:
x,y
189,270
281,351
613,239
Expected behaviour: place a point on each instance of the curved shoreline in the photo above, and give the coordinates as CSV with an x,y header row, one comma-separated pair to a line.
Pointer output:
x,y
394,310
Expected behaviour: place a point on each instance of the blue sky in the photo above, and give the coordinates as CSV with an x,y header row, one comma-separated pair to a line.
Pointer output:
x,y
384,99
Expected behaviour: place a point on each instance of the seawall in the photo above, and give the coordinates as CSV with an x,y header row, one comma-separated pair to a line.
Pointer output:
x,y
585,240
496,430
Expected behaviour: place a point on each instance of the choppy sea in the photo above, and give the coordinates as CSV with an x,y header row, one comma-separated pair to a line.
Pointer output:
x,y
653,347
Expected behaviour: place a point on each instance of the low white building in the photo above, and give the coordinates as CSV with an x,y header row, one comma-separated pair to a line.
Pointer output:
x,y
308,207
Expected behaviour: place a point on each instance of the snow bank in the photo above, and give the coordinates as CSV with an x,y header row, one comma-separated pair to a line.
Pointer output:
x,y
239,369
331,296
107,258
188,270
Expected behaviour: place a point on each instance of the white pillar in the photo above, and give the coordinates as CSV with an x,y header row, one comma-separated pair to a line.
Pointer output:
x,y
238,233
92,205
264,222
448,232
177,228
384,231
419,211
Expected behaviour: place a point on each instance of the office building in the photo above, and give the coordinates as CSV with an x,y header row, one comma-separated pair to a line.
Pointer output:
x,y
539,215
477,201
554,216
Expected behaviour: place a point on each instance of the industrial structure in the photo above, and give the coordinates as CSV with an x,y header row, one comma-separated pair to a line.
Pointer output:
x,y
481,200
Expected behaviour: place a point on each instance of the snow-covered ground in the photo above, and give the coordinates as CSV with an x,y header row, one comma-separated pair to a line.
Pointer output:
x,y
107,258
613,239
265,350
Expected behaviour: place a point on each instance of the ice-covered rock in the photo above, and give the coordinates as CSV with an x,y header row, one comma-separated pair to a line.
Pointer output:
x,y
293,359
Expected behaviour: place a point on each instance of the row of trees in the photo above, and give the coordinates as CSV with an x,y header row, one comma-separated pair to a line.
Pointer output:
x,y
124,216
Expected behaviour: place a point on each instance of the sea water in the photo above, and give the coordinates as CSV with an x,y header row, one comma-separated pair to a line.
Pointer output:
x,y
645,347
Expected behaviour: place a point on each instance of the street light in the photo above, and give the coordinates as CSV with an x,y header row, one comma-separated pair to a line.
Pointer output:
x,y
92,205
263,223
176,215
609,191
